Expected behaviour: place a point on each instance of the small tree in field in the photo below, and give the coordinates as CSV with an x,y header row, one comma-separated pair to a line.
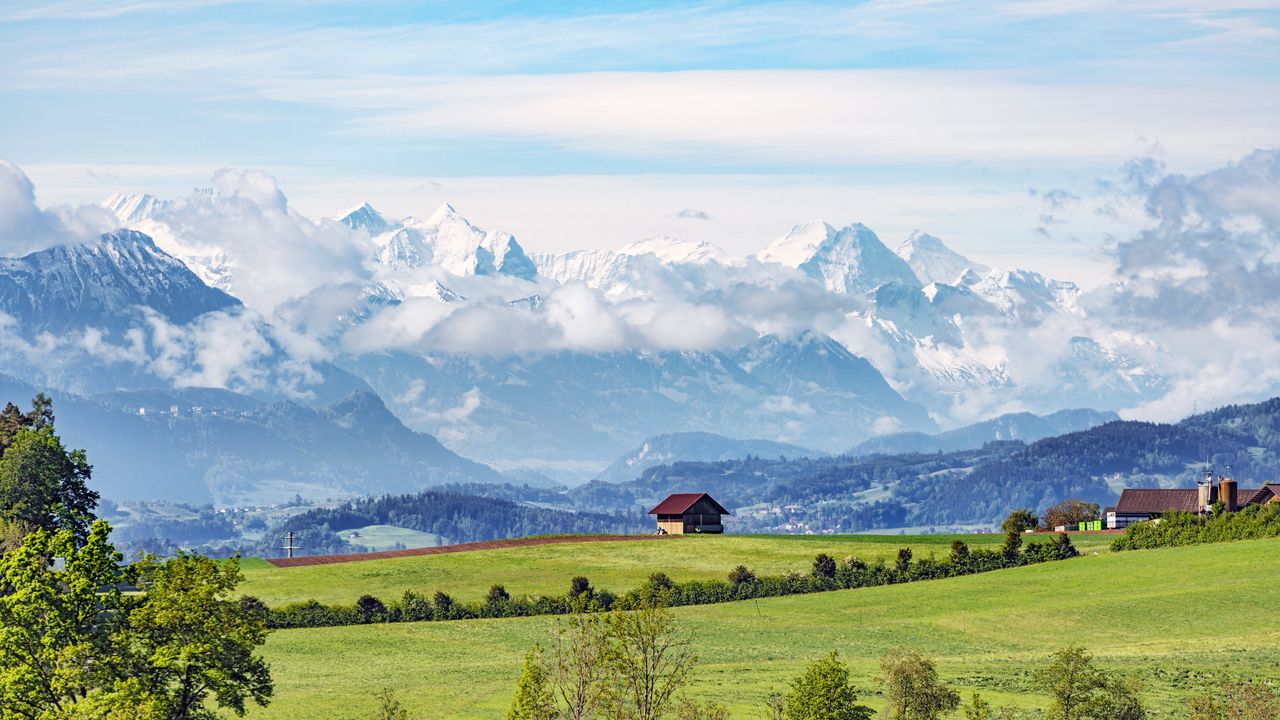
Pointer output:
x,y
1082,691
389,706
741,575
576,670
648,659
912,690
1020,521
824,566
824,692
533,697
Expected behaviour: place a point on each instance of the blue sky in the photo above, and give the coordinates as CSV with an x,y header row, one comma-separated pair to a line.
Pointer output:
x,y
594,124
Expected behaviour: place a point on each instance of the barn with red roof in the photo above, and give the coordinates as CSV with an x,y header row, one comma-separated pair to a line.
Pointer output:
x,y
687,513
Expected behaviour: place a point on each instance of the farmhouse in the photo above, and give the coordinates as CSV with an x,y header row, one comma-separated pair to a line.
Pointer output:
x,y
1139,504
684,513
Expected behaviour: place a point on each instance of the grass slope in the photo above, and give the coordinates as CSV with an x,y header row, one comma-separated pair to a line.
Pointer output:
x,y
616,566
1182,619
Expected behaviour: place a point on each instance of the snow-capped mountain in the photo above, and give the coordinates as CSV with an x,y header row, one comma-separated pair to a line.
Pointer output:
x,y
445,239
934,262
905,333
849,260
102,284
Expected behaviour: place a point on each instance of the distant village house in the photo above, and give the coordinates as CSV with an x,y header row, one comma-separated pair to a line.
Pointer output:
x,y
688,513
1141,504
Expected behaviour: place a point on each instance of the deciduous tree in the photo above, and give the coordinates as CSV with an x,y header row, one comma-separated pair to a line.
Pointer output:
x,y
1070,512
648,659
189,643
824,692
1020,520
912,690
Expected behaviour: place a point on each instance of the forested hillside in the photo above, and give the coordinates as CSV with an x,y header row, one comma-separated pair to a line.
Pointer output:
x,y
455,518
969,487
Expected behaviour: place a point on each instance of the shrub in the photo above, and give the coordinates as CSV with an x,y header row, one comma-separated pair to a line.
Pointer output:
x,y
741,576
824,566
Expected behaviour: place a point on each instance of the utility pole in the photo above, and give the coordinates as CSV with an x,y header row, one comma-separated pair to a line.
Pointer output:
x,y
289,546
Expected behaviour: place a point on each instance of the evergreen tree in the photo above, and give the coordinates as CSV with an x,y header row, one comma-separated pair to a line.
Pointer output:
x,y
533,698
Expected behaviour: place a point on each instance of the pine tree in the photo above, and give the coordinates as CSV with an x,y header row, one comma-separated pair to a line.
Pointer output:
x,y
533,700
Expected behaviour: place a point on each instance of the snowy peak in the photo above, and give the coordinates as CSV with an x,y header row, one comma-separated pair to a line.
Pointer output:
x,y
850,260
100,284
364,217
447,239
934,262
674,251
131,209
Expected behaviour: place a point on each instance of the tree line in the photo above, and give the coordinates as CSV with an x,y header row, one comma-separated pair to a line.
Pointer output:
x,y
741,583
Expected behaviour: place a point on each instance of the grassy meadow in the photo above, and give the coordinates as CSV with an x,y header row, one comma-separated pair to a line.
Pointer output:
x,y
1181,619
615,566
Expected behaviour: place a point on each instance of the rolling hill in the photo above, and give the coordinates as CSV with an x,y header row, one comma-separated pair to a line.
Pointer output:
x,y
1147,613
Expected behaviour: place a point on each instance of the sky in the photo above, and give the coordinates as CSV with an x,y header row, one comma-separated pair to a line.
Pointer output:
x,y
1002,127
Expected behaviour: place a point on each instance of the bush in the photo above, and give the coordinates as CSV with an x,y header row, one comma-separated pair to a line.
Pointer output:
x,y
824,566
1175,529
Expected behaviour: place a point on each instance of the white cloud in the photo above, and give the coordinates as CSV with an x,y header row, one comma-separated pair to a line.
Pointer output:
x,y
26,228
833,118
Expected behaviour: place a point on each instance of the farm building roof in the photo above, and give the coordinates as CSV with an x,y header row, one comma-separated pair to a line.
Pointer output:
x,y
1138,501
678,503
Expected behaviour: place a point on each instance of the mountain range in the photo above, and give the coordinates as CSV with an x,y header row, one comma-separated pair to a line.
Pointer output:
x,y
550,365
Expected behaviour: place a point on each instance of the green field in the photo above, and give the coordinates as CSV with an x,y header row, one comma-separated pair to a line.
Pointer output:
x,y
387,537
615,566
1182,619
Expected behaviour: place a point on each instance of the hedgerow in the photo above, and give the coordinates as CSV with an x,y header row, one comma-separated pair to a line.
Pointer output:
x,y
740,584
1175,529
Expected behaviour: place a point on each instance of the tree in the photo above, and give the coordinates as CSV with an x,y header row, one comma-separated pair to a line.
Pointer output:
x,y
1070,512
389,706
775,706
1012,546
959,554
533,698
648,659
56,646
579,586
1081,691
977,709
1020,521
580,655
824,566
370,608
497,595
741,575
1246,701
824,692
903,564
44,486
188,642
912,689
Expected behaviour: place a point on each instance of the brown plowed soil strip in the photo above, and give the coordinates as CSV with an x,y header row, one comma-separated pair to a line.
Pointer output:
x,y
462,547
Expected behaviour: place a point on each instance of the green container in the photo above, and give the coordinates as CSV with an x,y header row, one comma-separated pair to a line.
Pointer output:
x,y
1083,525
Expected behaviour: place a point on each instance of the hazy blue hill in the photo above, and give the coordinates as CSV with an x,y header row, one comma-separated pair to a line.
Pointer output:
x,y
1027,427
695,446
231,449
